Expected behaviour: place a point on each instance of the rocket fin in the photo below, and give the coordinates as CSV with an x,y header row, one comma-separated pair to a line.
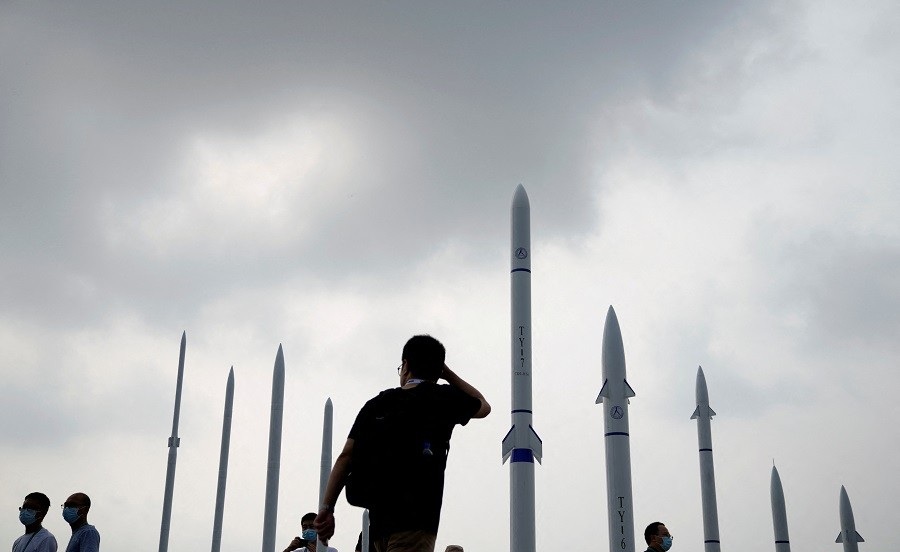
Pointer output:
x,y
629,392
508,444
535,443
703,411
604,392
855,537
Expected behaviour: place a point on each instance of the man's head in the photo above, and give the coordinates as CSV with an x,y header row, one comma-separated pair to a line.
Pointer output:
x,y
657,536
76,508
423,356
34,508
306,524
454,548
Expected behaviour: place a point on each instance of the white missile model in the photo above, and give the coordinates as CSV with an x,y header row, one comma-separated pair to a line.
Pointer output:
x,y
521,445
270,517
779,514
223,463
174,441
848,535
325,465
703,414
614,395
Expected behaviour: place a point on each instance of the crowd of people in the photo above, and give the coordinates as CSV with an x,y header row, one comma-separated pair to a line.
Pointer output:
x,y
85,537
405,501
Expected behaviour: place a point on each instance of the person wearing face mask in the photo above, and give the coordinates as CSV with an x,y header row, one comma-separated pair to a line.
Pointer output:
x,y
85,537
36,537
307,539
658,537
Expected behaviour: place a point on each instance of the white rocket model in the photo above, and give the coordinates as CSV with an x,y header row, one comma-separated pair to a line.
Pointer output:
x,y
703,414
779,514
521,445
174,441
365,531
223,463
274,468
848,535
614,395
325,466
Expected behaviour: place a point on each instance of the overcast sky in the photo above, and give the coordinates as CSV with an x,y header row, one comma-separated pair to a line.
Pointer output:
x,y
336,177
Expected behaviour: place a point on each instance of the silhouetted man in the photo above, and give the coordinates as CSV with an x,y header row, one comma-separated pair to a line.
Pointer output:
x,y
405,517
307,539
658,537
36,537
85,537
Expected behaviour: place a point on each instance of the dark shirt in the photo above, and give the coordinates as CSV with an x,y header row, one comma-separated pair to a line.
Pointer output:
x,y
414,501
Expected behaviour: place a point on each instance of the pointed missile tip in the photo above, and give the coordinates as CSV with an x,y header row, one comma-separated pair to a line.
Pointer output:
x,y
328,401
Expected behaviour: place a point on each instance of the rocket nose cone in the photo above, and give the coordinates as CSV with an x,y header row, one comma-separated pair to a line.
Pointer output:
x,y
776,481
613,354
846,509
701,393
520,198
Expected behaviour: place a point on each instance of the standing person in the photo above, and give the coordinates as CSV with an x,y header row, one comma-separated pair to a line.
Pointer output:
x,y
85,537
36,537
405,516
658,537
307,539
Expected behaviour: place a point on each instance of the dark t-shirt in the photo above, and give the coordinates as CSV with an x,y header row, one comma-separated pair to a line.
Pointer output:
x,y
414,503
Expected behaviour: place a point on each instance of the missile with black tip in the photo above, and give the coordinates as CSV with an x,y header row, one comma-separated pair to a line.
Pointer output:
x,y
848,535
703,414
521,445
779,514
614,395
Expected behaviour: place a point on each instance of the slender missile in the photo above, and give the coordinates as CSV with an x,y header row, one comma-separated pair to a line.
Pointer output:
x,y
223,463
779,514
325,466
848,535
703,414
274,468
615,394
521,445
365,531
174,441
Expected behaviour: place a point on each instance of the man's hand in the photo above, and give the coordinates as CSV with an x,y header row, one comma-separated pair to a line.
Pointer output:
x,y
295,544
324,525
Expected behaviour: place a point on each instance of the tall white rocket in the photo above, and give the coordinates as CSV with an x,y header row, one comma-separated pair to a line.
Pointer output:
x,y
270,516
223,463
703,414
521,445
174,441
848,535
779,514
325,464
614,395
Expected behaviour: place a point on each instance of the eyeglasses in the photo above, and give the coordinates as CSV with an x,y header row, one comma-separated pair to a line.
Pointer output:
x,y
64,506
29,509
399,368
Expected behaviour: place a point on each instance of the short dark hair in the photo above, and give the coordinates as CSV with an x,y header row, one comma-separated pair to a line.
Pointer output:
x,y
42,499
308,517
652,530
425,357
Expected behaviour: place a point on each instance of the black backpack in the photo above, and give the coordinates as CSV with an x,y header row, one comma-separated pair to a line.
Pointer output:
x,y
400,439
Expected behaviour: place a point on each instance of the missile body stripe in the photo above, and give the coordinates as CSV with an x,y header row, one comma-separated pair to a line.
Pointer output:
x,y
521,410
522,455
705,450
528,270
782,542
707,541
616,433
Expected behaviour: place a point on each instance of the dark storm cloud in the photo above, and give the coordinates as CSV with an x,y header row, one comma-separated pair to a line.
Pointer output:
x,y
459,104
